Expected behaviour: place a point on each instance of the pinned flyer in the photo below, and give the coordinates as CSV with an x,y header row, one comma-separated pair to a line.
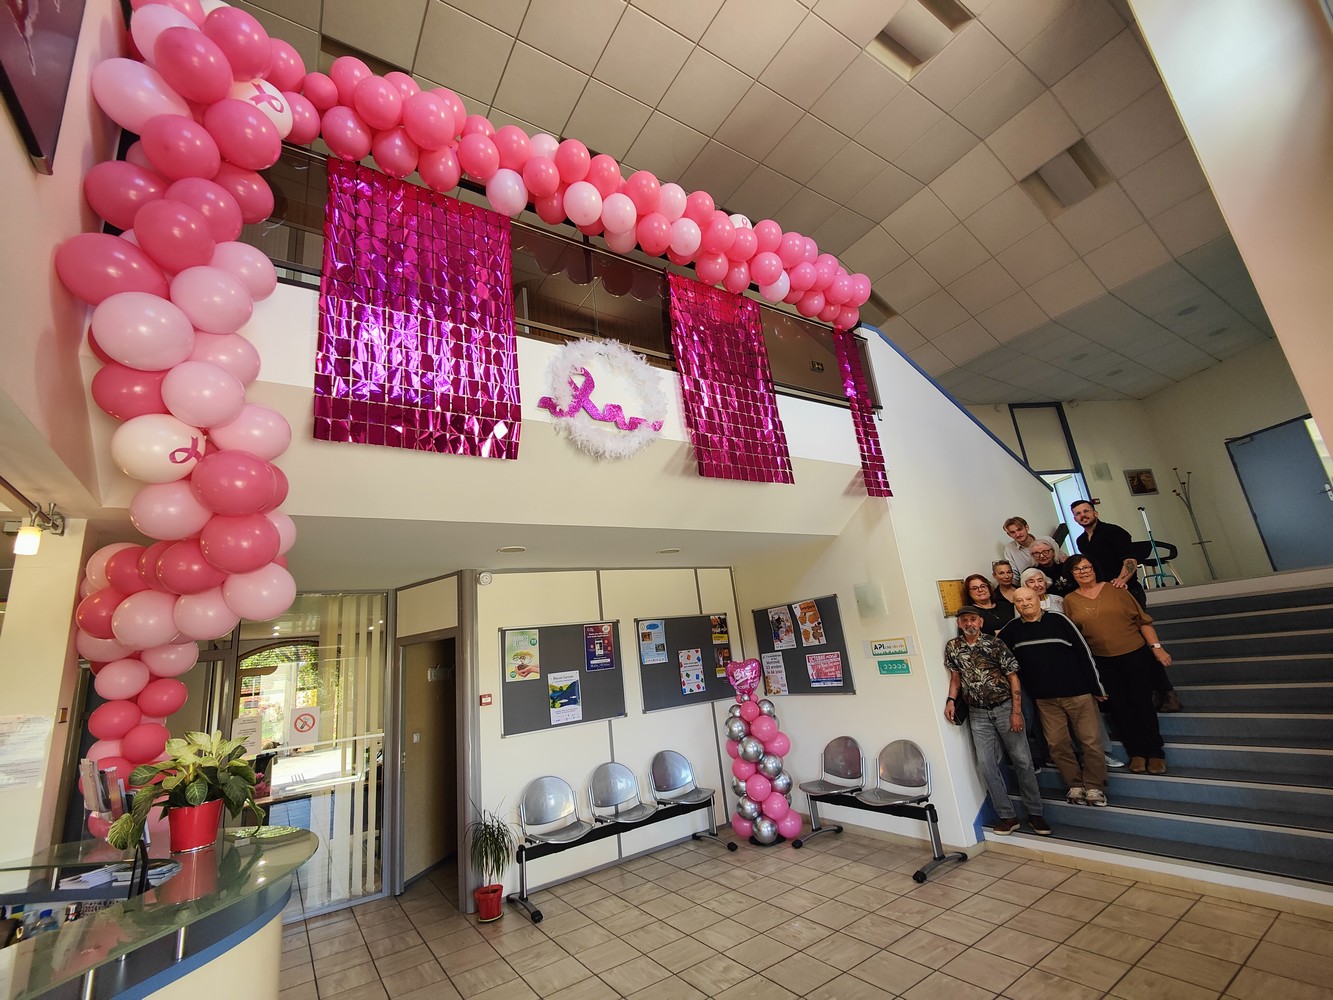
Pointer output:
x,y
784,633
652,642
811,624
566,697
717,625
522,655
597,642
775,674
825,669
691,671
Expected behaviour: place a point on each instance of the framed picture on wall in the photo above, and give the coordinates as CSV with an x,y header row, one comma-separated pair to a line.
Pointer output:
x,y
37,41
1142,482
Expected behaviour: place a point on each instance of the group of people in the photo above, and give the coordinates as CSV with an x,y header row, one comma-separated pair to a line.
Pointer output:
x,y
1038,649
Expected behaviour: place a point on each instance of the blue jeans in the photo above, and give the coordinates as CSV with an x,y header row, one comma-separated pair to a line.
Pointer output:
x,y
990,730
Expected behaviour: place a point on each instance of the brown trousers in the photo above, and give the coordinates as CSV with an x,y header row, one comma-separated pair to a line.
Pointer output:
x,y
1057,716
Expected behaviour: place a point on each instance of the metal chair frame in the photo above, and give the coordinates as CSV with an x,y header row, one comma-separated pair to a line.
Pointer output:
x,y
549,804
674,784
842,759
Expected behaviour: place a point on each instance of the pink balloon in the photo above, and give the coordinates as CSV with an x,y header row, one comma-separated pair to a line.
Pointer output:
x,y
120,680
604,174
440,169
244,134
305,119
478,125
122,570
618,213
95,568
250,264
802,276
719,234
378,102
219,209
768,236
142,331
161,697
791,297
215,301
777,290
156,448
478,156
541,176
242,38
112,720
737,278
742,827
711,267
125,392
860,290
148,566
261,595
743,769
251,192
847,318
789,825
830,312
145,741
826,269
455,105
810,249
671,201
654,234
131,93
259,430
321,91
763,728
583,203
148,23
685,237
286,68
144,620
104,750
266,99
775,806
811,303
699,207
229,351
168,511
428,120
94,266
506,193
750,711
345,133
733,749
792,249
94,612
514,147
203,394
840,289
778,744
239,544
544,144
621,243
192,64
572,159
233,483
758,787
135,156
116,190
170,660
280,493
286,529
173,234
97,650
394,152
204,616
551,209
745,244
643,189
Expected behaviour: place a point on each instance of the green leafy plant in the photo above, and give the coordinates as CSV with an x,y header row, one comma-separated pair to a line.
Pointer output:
x,y
198,769
491,844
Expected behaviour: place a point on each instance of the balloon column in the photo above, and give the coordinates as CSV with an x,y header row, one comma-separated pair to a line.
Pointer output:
x,y
756,747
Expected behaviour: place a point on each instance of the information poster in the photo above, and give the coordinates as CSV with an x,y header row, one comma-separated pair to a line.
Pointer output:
x,y
811,625
825,669
652,642
784,634
721,657
691,671
717,624
250,730
566,699
23,745
522,655
775,674
597,643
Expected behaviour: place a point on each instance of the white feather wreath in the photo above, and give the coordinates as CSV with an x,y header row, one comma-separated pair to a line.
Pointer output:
x,y
604,427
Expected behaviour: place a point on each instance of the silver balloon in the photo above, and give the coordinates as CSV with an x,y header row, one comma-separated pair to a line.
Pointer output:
x,y
781,783
765,830
734,711
767,708
770,765
751,749
748,808
737,785
737,729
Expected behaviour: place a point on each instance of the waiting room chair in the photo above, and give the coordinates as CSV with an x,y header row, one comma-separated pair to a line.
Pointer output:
x,y
674,784
842,769
904,776
1156,572
548,813
613,796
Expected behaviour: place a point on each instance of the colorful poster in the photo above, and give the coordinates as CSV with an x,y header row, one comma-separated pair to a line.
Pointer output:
x,y
825,669
722,656
597,640
691,671
522,659
566,700
784,634
775,674
812,626
652,642
718,625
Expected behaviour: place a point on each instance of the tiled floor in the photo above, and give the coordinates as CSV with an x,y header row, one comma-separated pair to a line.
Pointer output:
x,y
840,919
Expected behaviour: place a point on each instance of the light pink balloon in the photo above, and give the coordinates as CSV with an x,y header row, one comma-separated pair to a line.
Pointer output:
x,y
131,92
144,620
622,243
202,394
95,568
286,530
156,448
776,291
170,660
142,331
543,144
506,192
97,650
204,616
103,749
168,511
121,679
583,204
671,201
618,213
148,23
191,64
261,595
248,263
259,430
214,300
229,351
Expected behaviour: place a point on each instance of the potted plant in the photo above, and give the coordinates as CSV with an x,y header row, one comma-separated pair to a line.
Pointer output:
x,y
491,844
200,774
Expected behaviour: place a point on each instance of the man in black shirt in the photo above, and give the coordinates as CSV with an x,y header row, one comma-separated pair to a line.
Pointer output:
x,y
1110,548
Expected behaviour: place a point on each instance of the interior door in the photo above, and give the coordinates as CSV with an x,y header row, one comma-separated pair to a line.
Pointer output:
x,y
1288,489
430,756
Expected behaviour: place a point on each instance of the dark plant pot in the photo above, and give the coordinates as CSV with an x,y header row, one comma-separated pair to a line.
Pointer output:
x,y
490,902
194,827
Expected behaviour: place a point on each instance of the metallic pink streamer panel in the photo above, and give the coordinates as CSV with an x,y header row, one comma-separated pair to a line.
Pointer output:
x,y
731,410
416,320
863,414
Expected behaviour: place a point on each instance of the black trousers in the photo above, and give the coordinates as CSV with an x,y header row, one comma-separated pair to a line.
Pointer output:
x,y
1128,682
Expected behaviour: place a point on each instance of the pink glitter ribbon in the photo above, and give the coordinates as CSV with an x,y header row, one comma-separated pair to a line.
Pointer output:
x,y
582,401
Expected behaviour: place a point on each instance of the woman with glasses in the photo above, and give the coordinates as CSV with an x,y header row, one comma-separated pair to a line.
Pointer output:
x,y
996,611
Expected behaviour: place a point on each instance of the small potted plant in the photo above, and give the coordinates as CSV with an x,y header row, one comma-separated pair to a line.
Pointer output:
x,y
491,844
200,774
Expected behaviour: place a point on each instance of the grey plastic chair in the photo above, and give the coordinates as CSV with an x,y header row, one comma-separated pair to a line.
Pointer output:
x,y
843,762
613,796
904,776
548,812
674,785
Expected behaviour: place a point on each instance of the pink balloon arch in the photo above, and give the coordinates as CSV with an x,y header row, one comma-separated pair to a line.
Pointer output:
x,y
212,98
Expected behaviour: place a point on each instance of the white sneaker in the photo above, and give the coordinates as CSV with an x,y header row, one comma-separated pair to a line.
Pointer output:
x,y
1075,796
1112,761
1095,797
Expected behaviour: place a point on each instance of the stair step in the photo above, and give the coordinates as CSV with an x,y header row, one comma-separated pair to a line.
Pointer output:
x,y
1253,669
1265,765
1266,698
1249,729
1309,641
1165,609
1246,623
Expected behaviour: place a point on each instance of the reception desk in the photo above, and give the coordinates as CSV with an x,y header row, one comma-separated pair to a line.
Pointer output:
x,y
214,929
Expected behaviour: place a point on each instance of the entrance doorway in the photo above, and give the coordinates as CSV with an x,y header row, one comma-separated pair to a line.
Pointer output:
x,y
1287,484
430,755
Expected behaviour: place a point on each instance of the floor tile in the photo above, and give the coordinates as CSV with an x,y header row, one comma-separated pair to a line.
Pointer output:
x,y
1007,942
1301,932
1253,984
1131,921
994,911
801,973
415,977
959,927
1084,967
346,979
1066,905
891,972
1110,943
1051,926
1208,941
982,969
674,988
556,976
1253,923
1143,898
714,975
1293,963
925,948
1038,985
757,988
1140,984
635,975
848,987
1192,967
939,986
483,978
681,954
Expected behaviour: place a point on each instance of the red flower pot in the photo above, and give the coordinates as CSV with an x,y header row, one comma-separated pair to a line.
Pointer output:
x,y
490,902
198,877
194,827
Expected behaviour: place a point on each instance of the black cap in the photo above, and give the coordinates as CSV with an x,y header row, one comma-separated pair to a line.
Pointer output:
x,y
970,609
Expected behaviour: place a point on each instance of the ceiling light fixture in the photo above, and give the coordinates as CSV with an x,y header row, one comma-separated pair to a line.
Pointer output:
x,y
28,537
668,552
1188,310
511,549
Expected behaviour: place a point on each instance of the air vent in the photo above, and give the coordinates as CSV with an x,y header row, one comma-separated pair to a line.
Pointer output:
x,y
1066,179
917,34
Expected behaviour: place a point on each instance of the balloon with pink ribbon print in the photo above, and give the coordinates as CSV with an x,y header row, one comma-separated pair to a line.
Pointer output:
x,y
744,676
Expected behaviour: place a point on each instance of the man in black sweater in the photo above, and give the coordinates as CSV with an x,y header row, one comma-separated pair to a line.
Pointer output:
x,y
1057,668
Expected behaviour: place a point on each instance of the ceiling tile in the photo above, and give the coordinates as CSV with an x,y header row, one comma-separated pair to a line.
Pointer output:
x,y
952,255
1168,287
1008,91
718,170
860,93
1190,224
972,181
461,52
666,147
1012,318
929,359
1074,36
971,58
885,194
304,39
303,12
809,61
1175,358
624,67
903,121
1127,257
606,120
903,335
1067,288
1017,22
1033,136
805,150
858,20
1166,180
965,342
850,170
907,285
921,221
499,118
760,120
1005,220
539,89
507,15
1108,82
690,17
1111,323
705,92
574,31
841,230
983,287
937,150
875,254
1045,342
764,193
749,33
1228,344
805,212
1036,255
1098,219
1136,134
935,315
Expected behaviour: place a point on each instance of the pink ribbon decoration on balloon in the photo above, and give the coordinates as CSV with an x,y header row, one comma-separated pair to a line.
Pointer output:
x,y
582,401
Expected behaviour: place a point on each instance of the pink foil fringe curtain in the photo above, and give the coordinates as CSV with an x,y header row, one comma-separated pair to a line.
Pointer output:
x,y
863,414
416,320
731,410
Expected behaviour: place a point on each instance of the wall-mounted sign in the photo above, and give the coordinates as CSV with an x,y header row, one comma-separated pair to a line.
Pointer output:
x,y
894,666
888,647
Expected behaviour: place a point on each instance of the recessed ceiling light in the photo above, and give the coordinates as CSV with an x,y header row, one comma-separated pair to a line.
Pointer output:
x,y
1218,332
1082,355
668,552
1188,310
510,549
1115,371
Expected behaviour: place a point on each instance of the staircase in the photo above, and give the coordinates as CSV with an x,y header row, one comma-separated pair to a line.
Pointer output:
x,y
1251,756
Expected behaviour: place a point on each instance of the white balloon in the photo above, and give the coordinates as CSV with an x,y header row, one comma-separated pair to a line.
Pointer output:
x,y
212,5
156,448
268,99
741,222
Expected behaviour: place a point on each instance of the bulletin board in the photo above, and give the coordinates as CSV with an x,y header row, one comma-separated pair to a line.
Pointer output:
x,y
552,676
807,637
670,681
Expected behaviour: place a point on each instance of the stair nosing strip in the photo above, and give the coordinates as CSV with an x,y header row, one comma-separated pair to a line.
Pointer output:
x,y
1209,820
1223,616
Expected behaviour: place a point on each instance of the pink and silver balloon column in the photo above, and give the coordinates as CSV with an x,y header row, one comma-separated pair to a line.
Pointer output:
x,y
756,747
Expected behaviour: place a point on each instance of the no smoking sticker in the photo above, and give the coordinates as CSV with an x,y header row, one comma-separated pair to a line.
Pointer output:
x,y
304,727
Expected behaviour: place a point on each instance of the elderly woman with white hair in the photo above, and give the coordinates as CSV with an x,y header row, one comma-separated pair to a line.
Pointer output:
x,y
1035,580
